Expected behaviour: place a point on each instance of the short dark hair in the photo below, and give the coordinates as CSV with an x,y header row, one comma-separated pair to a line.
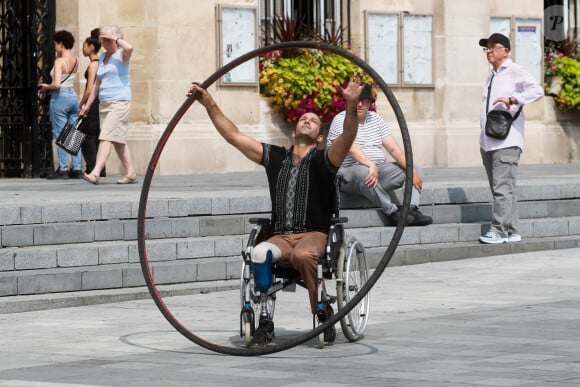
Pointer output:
x,y
367,93
94,39
66,38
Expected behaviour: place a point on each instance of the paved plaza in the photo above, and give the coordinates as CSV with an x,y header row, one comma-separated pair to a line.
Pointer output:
x,y
508,320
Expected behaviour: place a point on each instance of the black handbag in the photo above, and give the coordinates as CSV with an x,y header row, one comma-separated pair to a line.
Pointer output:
x,y
498,122
71,138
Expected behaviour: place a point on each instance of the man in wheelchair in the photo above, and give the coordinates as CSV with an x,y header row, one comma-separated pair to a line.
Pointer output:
x,y
302,190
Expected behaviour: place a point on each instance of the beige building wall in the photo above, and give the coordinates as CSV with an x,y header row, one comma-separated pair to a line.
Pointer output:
x,y
175,43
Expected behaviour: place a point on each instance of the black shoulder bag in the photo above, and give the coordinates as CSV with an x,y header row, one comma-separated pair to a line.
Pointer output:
x,y
71,138
499,122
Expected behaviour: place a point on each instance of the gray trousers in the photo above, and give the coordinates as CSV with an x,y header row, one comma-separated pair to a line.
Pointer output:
x,y
391,177
501,167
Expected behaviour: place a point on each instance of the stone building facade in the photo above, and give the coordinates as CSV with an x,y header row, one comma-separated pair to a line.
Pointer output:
x,y
177,42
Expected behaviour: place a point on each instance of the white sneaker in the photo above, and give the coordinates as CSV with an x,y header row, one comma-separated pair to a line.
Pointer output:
x,y
492,238
514,237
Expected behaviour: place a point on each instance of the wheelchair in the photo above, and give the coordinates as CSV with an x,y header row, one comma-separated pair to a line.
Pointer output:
x,y
343,260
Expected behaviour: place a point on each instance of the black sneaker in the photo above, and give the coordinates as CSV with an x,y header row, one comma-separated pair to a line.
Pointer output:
x,y
264,334
330,332
75,174
419,219
58,175
414,217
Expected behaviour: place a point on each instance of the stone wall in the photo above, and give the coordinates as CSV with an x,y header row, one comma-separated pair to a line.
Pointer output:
x,y
176,43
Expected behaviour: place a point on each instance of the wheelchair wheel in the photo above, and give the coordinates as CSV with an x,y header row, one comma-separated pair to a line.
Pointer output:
x,y
321,340
352,273
249,329
248,320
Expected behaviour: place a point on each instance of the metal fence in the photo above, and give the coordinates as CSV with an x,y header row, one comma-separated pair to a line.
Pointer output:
x,y
26,57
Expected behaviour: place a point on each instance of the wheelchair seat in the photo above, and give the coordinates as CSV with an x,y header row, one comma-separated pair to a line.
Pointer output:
x,y
343,260
284,269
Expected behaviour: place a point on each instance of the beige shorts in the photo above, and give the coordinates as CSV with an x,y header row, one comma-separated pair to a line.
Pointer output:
x,y
114,116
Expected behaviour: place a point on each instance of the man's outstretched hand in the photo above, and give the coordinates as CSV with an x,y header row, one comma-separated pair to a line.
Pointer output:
x,y
204,97
351,92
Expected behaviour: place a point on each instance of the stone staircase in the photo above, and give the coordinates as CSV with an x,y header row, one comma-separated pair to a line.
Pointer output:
x,y
87,251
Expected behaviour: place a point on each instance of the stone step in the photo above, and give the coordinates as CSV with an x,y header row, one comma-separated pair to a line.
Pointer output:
x,y
467,212
28,303
200,226
67,209
198,204
438,252
105,265
124,230
60,244
113,276
465,232
47,289
93,253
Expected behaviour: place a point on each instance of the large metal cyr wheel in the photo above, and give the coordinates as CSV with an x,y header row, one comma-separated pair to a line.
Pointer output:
x,y
142,235
351,275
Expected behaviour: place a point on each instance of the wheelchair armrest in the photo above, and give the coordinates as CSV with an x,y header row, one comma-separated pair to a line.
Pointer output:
x,y
340,219
260,221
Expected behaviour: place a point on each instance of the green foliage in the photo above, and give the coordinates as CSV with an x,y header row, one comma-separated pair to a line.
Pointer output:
x,y
310,81
569,96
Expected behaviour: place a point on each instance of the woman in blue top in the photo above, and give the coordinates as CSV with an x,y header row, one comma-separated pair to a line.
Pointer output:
x,y
113,86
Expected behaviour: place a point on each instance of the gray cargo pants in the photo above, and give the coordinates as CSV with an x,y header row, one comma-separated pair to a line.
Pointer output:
x,y
501,166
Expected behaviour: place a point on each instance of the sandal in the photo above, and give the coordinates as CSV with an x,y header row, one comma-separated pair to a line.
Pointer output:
x,y
91,178
127,180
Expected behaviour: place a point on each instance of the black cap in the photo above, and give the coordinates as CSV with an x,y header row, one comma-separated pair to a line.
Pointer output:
x,y
496,38
367,93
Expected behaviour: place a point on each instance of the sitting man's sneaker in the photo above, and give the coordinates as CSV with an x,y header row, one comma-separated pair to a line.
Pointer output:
x,y
330,332
419,219
492,238
514,237
264,334
414,217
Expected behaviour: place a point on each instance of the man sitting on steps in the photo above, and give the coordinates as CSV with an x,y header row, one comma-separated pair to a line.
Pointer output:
x,y
365,170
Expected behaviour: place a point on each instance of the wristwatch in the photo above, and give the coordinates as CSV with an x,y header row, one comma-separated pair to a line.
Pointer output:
x,y
510,100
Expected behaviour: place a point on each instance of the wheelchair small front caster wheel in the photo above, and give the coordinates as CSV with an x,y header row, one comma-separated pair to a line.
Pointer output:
x,y
247,333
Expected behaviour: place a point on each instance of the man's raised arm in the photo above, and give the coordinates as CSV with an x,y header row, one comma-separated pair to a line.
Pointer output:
x,y
340,147
249,146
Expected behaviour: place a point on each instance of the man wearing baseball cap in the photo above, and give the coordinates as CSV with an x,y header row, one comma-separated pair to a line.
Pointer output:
x,y
508,87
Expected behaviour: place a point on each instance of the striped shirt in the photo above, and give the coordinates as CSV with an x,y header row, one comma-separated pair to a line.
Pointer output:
x,y
369,137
